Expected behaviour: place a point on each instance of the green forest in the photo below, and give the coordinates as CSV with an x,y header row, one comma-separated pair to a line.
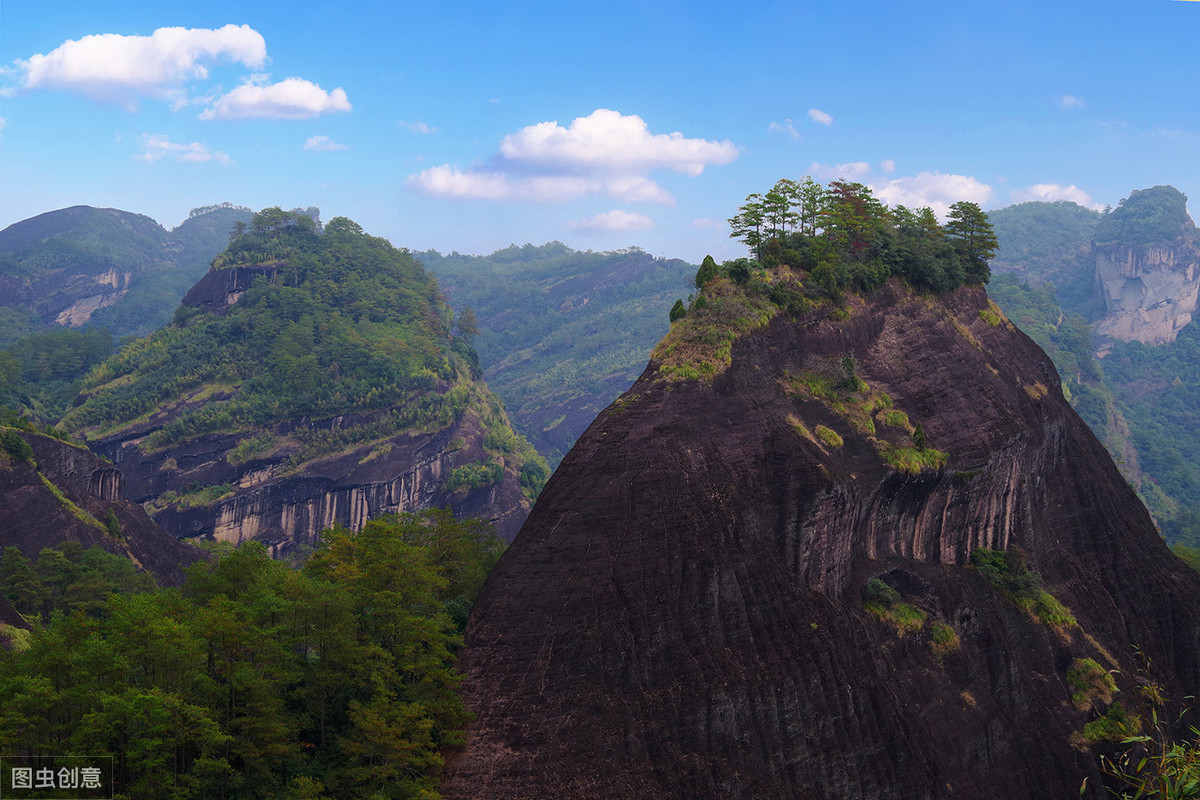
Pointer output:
x,y
253,679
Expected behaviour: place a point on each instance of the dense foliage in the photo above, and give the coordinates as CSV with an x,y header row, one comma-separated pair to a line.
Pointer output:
x,y
346,322
562,332
41,373
1050,243
846,238
254,680
1148,216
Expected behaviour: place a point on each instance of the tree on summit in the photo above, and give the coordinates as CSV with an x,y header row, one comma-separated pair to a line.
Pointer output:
x,y
968,228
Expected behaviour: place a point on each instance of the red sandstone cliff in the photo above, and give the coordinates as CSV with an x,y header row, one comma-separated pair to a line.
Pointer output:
x,y
681,616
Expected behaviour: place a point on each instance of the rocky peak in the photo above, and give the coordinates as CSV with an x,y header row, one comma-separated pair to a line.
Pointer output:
x,y
684,613
1147,255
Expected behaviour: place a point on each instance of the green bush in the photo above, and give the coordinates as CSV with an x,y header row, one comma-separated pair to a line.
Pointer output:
x,y
1009,572
829,437
15,446
1090,684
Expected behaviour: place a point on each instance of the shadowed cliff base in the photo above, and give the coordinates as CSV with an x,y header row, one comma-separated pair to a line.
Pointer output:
x,y
694,607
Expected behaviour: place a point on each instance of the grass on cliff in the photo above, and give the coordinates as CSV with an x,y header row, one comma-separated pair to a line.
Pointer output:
x,y
699,346
839,387
1009,572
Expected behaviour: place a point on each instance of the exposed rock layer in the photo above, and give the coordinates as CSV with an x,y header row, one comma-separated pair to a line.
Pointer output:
x,y
680,616
1149,291
267,500
33,516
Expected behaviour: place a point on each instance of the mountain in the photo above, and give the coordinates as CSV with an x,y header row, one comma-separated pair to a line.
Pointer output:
x,y
102,266
1147,253
562,332
53,492
860,551
310,378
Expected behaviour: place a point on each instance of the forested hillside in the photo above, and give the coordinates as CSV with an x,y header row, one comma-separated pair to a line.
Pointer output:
x,y
104,268
328,369
562,332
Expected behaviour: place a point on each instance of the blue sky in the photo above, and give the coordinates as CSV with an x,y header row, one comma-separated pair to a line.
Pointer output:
x,y
471,126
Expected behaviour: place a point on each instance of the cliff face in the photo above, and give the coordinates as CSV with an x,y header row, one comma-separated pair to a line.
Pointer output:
x,y
1147,253
67,496
267,498
107,267
1149,291
682,617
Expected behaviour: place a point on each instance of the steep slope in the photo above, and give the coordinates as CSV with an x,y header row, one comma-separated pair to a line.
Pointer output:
x,y
62,493
689,611
310,378
562,333
103,266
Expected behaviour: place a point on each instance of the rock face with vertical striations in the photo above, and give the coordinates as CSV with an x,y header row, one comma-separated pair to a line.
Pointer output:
x,y
682,614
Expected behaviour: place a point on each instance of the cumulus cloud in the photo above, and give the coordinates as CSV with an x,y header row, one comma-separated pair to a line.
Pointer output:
x,y
1050,192
609,140
938,190
115,68
323,144
786,128
157,146
605,152
291,98
817,115
1069,102
416,126
615,220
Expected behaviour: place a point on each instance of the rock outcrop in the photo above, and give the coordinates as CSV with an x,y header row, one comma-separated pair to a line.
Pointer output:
x,y
267,498
682,614
1147,254
1150,291
67,493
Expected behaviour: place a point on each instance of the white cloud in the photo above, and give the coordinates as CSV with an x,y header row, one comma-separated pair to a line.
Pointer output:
x,y
938,190
615,220
110,67
291,98
787,128
1050,192
156,146
606,152
323,144
416,126
853,171
1070,102
609,140
817,115
888,166
708,223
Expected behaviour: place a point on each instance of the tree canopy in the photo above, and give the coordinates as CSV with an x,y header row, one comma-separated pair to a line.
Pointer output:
x,y
845,237
254,680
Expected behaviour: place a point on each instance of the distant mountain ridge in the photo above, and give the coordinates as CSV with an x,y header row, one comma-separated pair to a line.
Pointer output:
x,y
102,266
563,332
